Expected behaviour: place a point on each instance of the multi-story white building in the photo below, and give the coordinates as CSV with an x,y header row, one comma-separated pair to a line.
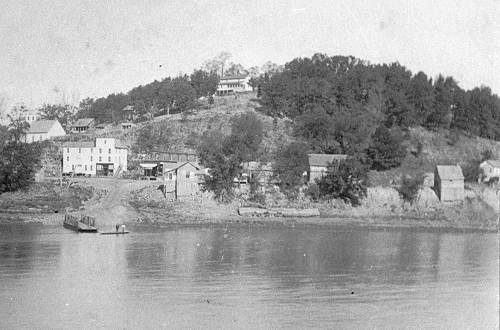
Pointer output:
x,y
234,84
102,157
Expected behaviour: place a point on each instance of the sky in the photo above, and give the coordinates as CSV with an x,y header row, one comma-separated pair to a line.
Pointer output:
x,y
62,51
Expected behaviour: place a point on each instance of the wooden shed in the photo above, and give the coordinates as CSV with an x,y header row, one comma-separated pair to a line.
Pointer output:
x,y
449,183
181,179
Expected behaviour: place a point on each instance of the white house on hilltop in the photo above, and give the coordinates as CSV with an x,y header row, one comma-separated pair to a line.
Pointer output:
x,y
234,84
102,157
41,130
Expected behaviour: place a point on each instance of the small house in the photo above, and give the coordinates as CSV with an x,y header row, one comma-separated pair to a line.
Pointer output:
x,y
41,130
318,164
82,125
257,172
128,113
181,179
449,183
490,169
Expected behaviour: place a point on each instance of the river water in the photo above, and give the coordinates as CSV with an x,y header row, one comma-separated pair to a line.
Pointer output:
x,y
240,277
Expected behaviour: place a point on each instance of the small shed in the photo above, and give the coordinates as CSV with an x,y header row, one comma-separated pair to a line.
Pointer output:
x,y
449,183
82,125
318,164
490,169
181,179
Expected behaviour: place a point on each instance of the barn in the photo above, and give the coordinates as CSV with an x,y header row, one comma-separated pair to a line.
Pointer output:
x,y
449,183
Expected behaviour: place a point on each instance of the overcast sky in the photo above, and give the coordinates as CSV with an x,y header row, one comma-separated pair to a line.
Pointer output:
x,y
55,50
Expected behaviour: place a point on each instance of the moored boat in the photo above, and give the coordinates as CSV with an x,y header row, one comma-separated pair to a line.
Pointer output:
x,y
85,224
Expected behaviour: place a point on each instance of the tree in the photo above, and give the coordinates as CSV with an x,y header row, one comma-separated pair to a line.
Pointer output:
x,y
441,115
246,136
18,163
235,69
205,83
318,128
223,166
177,95
386,150
290,164
63,113
346,180
410,186
218,63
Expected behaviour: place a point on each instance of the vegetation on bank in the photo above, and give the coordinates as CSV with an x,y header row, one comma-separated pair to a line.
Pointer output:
x,y
372,113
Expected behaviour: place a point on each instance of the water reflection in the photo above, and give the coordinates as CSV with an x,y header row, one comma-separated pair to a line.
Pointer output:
x,y
248,278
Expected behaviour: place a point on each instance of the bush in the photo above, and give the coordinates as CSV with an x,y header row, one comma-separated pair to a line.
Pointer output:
x,y
410,187
313,192
346,180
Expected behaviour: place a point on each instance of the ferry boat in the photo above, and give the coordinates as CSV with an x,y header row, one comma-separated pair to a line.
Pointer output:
x,y
85,224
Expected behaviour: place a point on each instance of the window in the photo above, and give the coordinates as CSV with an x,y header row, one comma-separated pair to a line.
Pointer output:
x,y
99,158
79,150
91,158
170,176
91,150
109,150
91,167
73,167
67,159
100,150
67,150
109,159
85,167
104,141
188,174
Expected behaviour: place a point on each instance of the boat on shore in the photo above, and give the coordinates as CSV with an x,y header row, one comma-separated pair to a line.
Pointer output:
x,y
85,224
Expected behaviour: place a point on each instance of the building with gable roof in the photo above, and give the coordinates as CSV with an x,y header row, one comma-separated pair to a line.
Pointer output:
x,y
490,169
234,84
449,183
318,164
41,130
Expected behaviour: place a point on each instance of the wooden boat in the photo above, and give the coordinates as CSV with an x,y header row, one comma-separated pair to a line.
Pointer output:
x,y
85,224
115,233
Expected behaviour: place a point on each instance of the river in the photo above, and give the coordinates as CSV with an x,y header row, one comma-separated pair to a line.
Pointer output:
x,y
241,277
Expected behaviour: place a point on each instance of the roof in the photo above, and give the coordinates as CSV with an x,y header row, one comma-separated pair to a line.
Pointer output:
x,y
128,108
83,122
257,166
41,126
174,166
449,172
324,159
233,77
79,144
493,162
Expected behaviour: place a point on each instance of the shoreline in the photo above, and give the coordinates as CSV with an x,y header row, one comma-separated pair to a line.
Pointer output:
x,y
395,222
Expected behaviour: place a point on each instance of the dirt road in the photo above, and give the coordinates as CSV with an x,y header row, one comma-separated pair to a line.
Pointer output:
x,y
113,208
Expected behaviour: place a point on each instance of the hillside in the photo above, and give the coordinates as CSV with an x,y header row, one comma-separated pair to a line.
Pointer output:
x,y
185,131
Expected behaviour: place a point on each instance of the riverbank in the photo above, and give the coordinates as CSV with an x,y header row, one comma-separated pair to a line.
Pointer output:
x,y
132,202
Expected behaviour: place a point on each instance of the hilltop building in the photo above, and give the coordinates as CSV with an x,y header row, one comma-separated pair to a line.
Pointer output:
x,y
449,183
102,158
234,84
318,164
82,125
41,130
490,169
30,117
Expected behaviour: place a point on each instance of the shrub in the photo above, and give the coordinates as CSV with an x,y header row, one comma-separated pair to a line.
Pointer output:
x,y
346,180
410,187
471,170
313,192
